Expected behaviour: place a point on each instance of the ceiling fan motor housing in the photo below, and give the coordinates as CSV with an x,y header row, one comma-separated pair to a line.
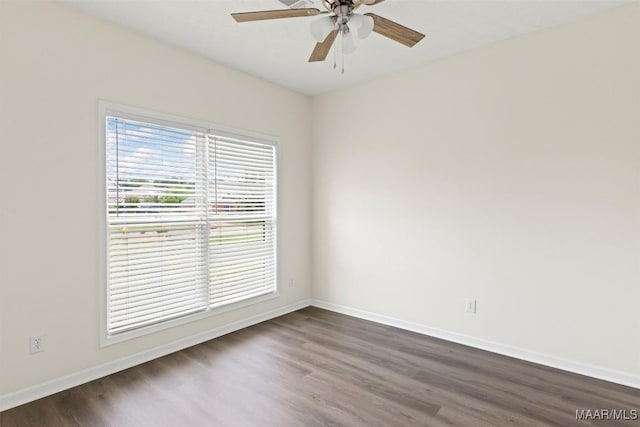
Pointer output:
x,y
337,6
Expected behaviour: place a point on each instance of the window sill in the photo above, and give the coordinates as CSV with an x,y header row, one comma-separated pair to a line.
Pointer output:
x,y
107,340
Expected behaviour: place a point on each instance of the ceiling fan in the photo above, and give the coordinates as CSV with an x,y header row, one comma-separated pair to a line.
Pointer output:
x,y
341,20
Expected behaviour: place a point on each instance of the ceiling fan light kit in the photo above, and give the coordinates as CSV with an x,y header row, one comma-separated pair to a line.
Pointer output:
x,y
348,45
320,28
341,21
364,23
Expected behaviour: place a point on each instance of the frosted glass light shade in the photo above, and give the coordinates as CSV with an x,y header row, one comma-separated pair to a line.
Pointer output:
x,y
320,28
349,46
366,27
363,23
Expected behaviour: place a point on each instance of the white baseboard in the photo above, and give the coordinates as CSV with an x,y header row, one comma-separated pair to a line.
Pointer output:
x,y
56,385
494,347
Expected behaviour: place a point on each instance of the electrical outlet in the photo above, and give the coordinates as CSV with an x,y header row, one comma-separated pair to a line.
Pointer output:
x,y
470,305
36,343
291,282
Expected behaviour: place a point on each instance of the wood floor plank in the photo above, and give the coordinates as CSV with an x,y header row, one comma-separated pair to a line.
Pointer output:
x,y
319,368
370,378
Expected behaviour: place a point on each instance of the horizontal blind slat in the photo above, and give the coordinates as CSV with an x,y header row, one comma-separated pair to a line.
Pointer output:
x,y
171,298
230,299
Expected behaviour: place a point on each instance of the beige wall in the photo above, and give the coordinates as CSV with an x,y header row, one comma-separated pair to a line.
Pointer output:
x,y
509,174
55,64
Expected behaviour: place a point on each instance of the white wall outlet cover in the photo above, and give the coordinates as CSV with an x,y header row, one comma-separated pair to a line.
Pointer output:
x,y
37,343
470,305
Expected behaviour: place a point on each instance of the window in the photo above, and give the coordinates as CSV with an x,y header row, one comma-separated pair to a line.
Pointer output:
x,y
190,221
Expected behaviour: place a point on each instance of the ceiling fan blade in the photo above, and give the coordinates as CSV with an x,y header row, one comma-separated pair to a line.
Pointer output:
x,y
274,14
395,31
371,2
322,49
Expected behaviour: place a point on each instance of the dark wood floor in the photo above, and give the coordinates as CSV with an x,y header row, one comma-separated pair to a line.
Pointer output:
x,y
318,368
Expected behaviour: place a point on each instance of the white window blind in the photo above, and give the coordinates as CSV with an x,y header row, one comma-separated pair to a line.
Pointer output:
x,y
190,221
242,261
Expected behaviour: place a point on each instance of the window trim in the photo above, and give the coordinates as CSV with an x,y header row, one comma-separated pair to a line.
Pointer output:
x,y
106,108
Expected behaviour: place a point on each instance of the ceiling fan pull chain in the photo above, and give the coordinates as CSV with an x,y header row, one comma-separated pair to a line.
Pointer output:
x,y
343,52
335,56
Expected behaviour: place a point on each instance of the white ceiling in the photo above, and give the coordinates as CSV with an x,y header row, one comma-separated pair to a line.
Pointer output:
x,y
278,50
